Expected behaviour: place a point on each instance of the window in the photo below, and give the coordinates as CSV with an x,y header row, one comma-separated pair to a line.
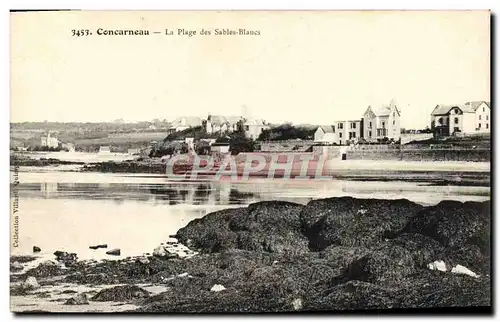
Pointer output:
x,y
456,111
483,109
487,125
440,120
353,135
393,122
393,114
479,126
353,125
486,117
340,135
369,134
341,126
479,117
370,126
456,120
383,124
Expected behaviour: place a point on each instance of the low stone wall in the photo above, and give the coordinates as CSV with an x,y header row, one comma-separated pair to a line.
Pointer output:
x,y
421,155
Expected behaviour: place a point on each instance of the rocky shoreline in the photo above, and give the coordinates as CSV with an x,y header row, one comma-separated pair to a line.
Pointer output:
x,y
335,254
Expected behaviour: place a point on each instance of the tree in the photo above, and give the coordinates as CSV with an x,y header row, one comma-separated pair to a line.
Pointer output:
x,y
239,143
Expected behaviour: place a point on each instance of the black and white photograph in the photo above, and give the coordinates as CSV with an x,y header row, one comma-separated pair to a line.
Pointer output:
x,y
250,161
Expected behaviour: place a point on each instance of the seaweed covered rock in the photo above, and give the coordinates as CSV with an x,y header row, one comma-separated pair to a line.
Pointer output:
x,y
46,269
121,293
387,265
78,299
352,222
453,224
354,295
272,226
422,249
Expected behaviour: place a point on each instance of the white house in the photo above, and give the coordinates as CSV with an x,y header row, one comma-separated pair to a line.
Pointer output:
x,y
468,118
382,122
186,122
325,134
254,127
348,131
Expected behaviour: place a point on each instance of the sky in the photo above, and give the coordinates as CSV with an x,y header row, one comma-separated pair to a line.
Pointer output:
x,y
305,67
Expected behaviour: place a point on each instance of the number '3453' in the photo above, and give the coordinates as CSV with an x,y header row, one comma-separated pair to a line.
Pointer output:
x,y
80,32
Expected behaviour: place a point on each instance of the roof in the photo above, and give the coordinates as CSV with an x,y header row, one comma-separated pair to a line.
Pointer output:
x,y
442,109
187,121
382,111
327,128
255,122
217,119
474,105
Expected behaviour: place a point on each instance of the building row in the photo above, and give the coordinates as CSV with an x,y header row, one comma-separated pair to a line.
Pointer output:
x,y
377,123
222,125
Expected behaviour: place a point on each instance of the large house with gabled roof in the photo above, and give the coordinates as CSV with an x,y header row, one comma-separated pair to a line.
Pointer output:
x,y
469,118
382,122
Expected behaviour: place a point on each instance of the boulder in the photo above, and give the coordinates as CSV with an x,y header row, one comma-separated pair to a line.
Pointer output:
x,y
114,252
78,299
354,295
385,265
69,259
46,269
36,249
422,249
270,226
437,265
454,224
121,293
98,246
30,284
164,252
347,221
459,269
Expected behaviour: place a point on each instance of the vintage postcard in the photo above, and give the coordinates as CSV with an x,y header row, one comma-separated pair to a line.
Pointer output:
x,y
250,161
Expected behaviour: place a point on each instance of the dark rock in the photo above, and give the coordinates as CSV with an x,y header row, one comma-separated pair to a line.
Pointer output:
x,y
264,226
454,224
78,299
115,252
22,259
422,249
388,265
121,293
69,259
36,249
353,222
98,246
46,269
354,295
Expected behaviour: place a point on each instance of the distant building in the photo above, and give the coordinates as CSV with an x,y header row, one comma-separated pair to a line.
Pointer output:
x,y
221,124
49,141
468,118
186,122
68,146
382,122
104,149
220,147
348,131
254,127
325,134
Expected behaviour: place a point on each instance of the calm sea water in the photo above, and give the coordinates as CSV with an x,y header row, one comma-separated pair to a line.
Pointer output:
x,y
64,210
